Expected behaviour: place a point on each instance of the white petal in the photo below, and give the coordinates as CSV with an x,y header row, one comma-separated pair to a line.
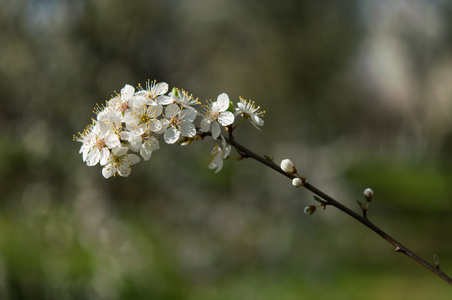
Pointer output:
x,y
102,127
146,150
163,100
161,88
215,130
226,118
124,170
172,110
127,92
155,125
104,156
257,120
216,163
188,114
205,125
131,159
187,129
155,110
171,135
145,153
222,102
165,124
108,171
120,151
92,157
112,140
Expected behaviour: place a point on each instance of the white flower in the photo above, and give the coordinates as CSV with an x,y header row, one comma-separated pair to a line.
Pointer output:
x,y
183,98
144,117
178,122
119,162
120,102
288,166
142,141
217,115
218,155
249,111
153,94
97,143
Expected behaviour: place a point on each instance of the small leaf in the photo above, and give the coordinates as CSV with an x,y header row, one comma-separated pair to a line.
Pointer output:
x,y
268,158
318,199
360,204
231,107
175,92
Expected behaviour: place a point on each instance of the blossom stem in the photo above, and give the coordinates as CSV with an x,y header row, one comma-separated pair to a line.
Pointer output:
x,y
246,153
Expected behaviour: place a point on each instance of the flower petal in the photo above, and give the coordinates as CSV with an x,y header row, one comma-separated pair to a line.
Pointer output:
x,y
127,92
163,100
188,114
205,125
171,135
257,120
226,118
108,171
161,88
187,129
172,110
215,130
222,102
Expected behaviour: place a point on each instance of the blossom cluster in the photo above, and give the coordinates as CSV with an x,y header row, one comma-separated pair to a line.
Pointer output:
x,y
136,119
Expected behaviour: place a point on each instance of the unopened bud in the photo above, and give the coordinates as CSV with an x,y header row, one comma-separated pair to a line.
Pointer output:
x,y
309,210
297,182
288,166
368,194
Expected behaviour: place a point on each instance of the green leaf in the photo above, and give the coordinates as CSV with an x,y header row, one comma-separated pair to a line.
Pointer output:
x,y
318,199
231,107
360,204
175,92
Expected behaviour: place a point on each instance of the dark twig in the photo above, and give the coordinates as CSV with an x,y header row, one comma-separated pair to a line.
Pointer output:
x,y
246,153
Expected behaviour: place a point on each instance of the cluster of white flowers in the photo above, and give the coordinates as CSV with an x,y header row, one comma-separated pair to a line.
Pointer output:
x,y
136,118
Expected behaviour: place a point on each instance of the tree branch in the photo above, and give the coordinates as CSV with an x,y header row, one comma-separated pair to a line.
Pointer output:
x,y
246,153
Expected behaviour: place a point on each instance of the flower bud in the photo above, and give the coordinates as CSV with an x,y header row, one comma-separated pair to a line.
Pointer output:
x,y
297,182
288,166
309,210
368,194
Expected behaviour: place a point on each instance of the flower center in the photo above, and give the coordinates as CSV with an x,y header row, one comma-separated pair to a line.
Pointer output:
x,y
175,121
100,143
144,119
123,106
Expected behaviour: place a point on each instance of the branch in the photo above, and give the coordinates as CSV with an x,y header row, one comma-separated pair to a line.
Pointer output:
x,y
246,153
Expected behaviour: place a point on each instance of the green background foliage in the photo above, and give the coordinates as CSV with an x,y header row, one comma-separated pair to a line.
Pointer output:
x,y
357,93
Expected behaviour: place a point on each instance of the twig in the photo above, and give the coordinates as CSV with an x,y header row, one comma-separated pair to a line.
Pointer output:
x,y
246,153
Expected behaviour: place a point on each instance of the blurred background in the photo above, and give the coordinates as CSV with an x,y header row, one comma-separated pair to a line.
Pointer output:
x,y
357,93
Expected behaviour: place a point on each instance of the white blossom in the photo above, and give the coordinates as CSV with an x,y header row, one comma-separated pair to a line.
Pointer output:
x,y
119,163
120,102
217,115
218,155
183,98
142,141
96,146
144,117
248,110
178,122
153,94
